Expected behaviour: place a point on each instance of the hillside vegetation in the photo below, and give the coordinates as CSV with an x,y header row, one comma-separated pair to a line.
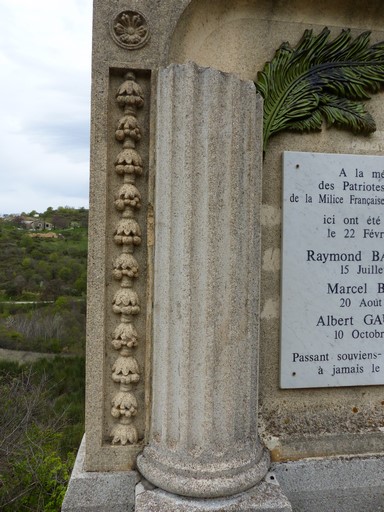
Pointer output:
x,y
50,275
36,268
42,309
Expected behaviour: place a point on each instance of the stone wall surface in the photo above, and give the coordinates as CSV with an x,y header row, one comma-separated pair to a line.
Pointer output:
x,y
334,484
239,37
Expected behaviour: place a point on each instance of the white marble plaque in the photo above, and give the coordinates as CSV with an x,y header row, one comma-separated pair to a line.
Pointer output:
x,y
332,328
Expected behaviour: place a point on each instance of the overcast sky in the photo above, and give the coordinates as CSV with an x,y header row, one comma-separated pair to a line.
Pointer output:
x,y
45,69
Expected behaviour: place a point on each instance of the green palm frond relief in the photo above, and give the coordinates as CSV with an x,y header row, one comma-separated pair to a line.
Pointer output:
x,y
321,80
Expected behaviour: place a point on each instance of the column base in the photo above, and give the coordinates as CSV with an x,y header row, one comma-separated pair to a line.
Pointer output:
x,y
265,497
204,479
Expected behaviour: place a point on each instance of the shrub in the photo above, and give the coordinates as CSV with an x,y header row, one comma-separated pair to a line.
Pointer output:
x,y
39,432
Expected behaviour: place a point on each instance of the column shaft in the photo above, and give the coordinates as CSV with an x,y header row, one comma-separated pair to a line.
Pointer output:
x,y
203,440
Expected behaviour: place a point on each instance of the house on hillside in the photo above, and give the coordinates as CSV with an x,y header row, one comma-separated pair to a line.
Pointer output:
x,y
36,224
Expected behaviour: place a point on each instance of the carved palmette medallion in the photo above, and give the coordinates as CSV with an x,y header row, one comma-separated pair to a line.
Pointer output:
x,y
129,29
127,236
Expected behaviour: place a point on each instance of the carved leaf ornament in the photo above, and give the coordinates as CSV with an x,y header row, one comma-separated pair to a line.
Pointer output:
x,y
127,235
321,80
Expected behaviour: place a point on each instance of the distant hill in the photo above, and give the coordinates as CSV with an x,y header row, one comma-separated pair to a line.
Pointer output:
x,y
43,279
47,266
61,218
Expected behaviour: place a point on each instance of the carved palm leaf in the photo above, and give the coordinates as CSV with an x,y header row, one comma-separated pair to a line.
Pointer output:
x,y
321,79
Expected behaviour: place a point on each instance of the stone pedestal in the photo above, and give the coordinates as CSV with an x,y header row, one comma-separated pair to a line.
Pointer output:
x,y
99,491
203,440
264,497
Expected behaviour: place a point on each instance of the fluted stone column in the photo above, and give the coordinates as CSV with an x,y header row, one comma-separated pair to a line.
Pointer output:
x,y
203,440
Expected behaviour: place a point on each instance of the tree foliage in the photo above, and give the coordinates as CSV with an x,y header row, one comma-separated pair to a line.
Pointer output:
x,y
37,435
57,327
47,268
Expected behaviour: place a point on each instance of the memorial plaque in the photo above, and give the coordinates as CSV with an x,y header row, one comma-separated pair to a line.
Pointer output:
x,y
332,328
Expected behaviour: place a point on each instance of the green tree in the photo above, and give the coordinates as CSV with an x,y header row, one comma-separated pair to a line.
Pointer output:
x,y
34,471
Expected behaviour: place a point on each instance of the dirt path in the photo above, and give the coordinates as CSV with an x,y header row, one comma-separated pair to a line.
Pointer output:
x,y
22,356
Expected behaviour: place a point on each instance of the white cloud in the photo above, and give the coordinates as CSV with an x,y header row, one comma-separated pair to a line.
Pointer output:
x,y
45,61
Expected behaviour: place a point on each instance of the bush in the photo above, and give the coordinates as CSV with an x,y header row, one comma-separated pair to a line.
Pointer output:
x,y
39,476
40,429
53,328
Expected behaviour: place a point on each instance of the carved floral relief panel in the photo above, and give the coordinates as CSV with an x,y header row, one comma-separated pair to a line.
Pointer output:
x,y
125,346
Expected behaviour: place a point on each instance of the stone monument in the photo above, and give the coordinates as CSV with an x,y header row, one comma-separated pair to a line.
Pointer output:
x,y
234,340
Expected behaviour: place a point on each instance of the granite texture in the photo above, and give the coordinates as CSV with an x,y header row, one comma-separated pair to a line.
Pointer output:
x,y
265,497
206,290
333,485
99,491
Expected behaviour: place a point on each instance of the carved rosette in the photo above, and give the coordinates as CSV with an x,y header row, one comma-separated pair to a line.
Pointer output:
x,y
128,236
129,29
